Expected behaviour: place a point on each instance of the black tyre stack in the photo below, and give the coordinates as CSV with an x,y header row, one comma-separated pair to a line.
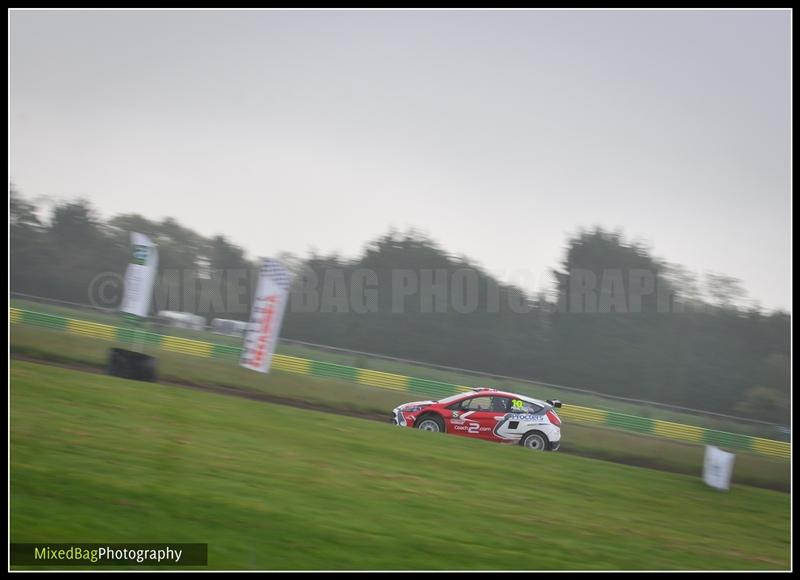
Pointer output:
x,y
128,364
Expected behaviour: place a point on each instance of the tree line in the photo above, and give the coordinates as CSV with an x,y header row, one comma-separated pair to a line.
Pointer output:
x,y
620,321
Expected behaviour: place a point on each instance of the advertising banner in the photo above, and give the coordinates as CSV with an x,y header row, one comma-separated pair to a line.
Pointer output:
x,y
140,276
266,316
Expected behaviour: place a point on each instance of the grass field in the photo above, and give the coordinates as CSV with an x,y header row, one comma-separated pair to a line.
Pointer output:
x,y
421,371
100,459
752,469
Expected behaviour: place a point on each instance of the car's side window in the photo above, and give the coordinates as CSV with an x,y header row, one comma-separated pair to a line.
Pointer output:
x,y
501,404
494,404
477,404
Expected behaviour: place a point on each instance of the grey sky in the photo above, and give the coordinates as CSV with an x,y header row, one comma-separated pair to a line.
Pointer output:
x,y
498,133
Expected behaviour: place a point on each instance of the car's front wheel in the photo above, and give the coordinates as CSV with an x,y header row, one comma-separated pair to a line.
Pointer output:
x,y
535,441
430,423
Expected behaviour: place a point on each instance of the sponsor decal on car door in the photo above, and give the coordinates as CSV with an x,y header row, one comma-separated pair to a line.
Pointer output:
x,y
485,422
462,423
478,417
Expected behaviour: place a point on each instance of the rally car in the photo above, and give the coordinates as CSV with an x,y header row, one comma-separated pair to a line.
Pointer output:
x,y
489,414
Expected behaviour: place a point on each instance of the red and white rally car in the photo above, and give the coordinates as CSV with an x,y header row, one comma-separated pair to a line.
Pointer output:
x,y
487,414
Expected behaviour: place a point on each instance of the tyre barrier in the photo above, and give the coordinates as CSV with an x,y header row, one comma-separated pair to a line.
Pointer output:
x,y
128,364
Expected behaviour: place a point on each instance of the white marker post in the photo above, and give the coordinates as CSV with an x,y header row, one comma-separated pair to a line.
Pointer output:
x,y
718,467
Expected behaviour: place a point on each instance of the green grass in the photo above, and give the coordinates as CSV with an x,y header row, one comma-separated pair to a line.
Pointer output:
x,y
99,459
421,371
611,444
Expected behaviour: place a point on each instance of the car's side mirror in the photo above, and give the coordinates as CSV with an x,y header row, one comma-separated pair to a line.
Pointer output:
x,y
555,403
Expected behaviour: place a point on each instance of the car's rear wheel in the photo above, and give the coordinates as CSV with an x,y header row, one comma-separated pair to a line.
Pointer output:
x,y
432,423
535,441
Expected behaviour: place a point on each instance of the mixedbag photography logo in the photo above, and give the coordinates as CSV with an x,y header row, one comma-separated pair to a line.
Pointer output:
x,y
80,554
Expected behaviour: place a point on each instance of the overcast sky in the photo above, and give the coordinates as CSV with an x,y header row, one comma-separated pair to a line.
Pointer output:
x,y
498,133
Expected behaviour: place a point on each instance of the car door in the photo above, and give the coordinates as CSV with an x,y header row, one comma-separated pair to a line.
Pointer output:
x,y
462,420
491,417
477,416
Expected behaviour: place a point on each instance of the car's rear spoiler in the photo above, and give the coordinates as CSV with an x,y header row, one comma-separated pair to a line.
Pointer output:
x,y
555,403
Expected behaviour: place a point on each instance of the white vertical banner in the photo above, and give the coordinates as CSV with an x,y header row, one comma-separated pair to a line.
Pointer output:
x,y
718,467
266,317
140,276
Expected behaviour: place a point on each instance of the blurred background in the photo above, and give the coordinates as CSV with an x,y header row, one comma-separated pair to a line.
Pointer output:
x,y
694,342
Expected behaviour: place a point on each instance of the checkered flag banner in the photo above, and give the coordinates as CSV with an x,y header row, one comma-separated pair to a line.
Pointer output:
x,y
266,316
